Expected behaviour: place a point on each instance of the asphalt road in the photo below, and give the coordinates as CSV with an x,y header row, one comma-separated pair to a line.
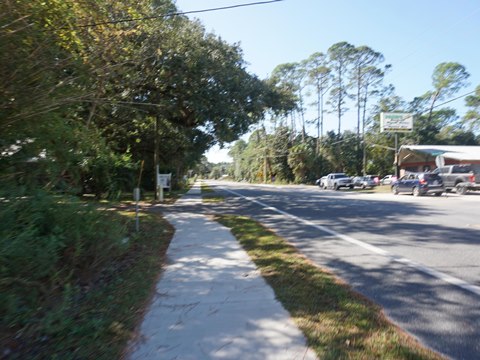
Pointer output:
x,y
417,257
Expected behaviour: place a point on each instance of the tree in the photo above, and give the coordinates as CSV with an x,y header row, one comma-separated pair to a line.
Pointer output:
x,y
366,78
456,135
301,158
184,91
280,143
288,77
472,117
319,75
447,79
46,88
236,153
339,56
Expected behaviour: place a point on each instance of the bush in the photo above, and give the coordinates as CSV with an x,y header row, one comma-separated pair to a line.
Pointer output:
x,y
47,244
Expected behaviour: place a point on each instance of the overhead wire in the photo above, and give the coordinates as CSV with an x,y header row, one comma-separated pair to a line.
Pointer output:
x,y
178,13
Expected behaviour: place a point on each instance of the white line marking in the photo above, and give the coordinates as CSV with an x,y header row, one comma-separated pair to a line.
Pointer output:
x,y
426,270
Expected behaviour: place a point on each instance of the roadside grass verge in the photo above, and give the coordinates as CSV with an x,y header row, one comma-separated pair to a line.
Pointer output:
x,y
209,195
337,322
94,317
383,189
147,197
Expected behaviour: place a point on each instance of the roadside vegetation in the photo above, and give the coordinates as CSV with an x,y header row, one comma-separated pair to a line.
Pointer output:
x,y
75,276
337,322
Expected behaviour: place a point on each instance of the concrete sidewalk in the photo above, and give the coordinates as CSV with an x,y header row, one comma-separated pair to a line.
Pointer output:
x,y
211,302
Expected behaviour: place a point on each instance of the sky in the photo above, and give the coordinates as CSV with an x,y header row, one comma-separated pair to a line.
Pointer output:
x,y
413,35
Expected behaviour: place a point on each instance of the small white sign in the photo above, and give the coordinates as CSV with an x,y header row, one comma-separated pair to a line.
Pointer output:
x,y
164,180
396,122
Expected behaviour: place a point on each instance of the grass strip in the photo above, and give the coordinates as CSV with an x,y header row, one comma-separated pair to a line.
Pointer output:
x,y
98,322
209,195
337,322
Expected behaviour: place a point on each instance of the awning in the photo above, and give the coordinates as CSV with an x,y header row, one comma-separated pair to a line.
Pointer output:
x,y
416,153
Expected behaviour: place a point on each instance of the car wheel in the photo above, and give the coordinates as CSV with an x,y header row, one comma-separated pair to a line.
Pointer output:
x,y
395,190
335,187
416,191
438,193
461,190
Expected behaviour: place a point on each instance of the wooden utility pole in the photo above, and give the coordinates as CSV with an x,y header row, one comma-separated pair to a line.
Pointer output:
x,y
265,168
156,156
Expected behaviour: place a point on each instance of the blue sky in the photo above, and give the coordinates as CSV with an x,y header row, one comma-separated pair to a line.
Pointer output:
x,y
413,35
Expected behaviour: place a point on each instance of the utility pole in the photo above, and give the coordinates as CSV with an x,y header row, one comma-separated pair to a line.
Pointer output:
x,y
156,156
265,168
364,161
397,172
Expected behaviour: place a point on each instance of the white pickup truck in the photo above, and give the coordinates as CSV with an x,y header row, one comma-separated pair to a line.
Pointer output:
x,y
337,180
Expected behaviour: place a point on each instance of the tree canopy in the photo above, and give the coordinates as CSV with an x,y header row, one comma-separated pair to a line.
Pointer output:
x,y
92,88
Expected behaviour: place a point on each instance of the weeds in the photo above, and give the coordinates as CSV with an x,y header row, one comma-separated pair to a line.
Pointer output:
x,y
73,278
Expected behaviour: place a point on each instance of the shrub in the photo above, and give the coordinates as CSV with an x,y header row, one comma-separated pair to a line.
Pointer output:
x,y
47,244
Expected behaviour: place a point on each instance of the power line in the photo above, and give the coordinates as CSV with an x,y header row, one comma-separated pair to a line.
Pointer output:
x,y
139,103
451,100
173,14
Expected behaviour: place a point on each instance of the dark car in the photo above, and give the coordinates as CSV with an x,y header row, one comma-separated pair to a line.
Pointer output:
x,y
419,184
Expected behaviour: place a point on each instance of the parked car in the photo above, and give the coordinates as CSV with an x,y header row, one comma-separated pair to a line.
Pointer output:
x,y
322,182
375,178
363,182
336,181
388,179
419,184
461,177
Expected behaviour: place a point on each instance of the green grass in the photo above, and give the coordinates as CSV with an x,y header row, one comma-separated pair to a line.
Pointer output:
x,y
337,322
209,195
97,319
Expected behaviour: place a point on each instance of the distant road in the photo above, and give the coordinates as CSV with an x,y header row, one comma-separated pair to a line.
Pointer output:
x,y
417,257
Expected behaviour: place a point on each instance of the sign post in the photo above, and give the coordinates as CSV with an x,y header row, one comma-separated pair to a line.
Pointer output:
x,y
136,197
163,182
396,123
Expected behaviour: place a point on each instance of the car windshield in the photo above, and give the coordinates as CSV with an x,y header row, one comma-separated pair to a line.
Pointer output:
x,y
338,176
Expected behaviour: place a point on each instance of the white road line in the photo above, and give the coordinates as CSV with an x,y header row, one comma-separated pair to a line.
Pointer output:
x,y
372,248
